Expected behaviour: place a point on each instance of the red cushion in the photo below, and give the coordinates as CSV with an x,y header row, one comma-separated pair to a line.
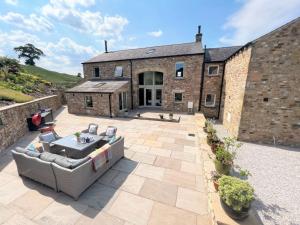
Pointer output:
x,y
36,119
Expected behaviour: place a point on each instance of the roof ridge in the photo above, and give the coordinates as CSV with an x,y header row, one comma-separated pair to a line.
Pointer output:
x,y
151,47
235,46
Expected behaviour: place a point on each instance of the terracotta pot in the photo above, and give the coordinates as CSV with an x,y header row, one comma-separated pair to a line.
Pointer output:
x,y
216,184
235,214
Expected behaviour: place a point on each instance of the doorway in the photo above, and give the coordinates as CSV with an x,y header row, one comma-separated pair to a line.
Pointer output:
x,y
150,89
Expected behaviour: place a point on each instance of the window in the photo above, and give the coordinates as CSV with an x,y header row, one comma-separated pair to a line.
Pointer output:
x,y
151,78
178,97
122,101
88,101
96,72
210,100
213,70
179,69
119,71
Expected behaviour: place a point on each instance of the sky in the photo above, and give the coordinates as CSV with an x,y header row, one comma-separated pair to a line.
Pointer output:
x,y
70,32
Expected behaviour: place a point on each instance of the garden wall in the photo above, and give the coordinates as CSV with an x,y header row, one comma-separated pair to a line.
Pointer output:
x,y
13,124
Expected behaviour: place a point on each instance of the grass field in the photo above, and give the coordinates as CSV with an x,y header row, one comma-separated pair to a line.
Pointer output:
x,y
58,79
12,95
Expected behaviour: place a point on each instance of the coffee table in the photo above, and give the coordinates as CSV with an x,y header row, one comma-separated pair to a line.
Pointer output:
x,y
75,149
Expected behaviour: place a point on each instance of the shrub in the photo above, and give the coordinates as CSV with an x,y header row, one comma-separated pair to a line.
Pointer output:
x,y
236,193
223,156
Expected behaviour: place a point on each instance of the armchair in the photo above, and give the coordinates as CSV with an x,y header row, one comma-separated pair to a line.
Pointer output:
x,y
92,129
47,138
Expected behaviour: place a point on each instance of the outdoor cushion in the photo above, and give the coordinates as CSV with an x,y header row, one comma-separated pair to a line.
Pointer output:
x,y
48,137
92,129
111,131
114,139
48,157
70,163
20,150
33,153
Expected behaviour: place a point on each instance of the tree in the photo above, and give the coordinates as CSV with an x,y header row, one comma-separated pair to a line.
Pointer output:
x,y
78,74
30,53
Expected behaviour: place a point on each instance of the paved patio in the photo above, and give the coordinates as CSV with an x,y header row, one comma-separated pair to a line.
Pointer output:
x,y
159,182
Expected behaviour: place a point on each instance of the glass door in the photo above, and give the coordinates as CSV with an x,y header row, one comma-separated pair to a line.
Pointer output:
x,y
158,97
148,97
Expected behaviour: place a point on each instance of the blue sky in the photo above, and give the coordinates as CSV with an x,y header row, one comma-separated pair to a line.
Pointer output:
x,y
72,31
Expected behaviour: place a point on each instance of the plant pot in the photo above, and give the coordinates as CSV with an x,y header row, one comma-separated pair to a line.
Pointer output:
x,y
216,184
78,139
208,140
235,214
171,117
222,169
161,117
205,129
138,115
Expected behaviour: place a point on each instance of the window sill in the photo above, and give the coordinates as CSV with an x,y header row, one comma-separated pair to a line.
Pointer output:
x,y
213,75
210,106
179,78
178,102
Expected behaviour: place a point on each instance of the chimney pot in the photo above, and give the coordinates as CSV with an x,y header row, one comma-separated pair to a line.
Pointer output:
x,y
199,35
105,44
199,29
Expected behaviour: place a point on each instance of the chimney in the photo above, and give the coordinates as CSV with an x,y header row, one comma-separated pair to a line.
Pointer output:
x,y
105,44
199,35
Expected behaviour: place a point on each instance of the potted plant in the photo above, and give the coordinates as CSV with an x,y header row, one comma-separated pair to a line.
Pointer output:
x,y
215,143
236,196
138,114
206,125
161,116
171,116
215,178
224,160
211,135
77,134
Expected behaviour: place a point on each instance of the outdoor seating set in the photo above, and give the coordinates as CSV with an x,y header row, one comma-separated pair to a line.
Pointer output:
x,y
70,164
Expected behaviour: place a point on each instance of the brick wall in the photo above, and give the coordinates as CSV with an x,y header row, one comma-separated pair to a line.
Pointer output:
x,y
236,71
212,85
272,96
189,85
14,118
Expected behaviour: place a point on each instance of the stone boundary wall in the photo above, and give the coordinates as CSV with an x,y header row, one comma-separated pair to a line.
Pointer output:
x,y
13,124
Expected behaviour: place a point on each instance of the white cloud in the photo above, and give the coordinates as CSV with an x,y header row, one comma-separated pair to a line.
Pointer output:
x,y
155,33
257,17
86,21
12,2
65,55
31,22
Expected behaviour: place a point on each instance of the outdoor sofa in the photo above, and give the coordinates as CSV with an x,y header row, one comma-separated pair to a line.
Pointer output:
x,y
71,176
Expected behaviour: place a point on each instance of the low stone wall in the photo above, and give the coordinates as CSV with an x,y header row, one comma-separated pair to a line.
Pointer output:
x,y
13,124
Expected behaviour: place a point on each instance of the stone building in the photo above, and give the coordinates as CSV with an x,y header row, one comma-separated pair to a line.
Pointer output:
x,y
251,89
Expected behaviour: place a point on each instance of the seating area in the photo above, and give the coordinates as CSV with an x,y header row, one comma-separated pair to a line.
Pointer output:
x,y
70,164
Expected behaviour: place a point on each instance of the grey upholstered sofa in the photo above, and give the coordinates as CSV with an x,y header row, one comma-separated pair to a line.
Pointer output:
x,y
70,181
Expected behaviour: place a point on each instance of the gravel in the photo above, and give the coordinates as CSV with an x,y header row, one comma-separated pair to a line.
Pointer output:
x,y
276,179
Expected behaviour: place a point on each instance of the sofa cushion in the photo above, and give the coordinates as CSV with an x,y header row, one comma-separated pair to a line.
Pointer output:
x,y
93,129
49,157
20,150
70,163
48,137
33,153
111,131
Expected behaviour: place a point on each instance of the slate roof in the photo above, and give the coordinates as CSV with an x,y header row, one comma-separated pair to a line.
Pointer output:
x,y
103,86
150,52
220,54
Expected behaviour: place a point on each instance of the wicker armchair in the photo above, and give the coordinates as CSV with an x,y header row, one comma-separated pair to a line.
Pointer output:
x,y
92,129
47,138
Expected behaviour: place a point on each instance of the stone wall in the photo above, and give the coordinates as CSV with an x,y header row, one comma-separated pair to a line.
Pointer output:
x,y
212,85
13,117
189,85
236,72
271,110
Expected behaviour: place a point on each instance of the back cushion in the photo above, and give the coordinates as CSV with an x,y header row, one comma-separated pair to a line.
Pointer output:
x,y
20,150
48,157
93,129
48,137
111,131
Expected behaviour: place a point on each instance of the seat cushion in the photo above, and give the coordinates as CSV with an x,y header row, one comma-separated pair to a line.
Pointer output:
x,y
33,154
48,137
49,157
114,139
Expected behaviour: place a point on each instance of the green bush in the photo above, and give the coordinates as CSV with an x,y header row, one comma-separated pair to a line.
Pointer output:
x,y
223,156
236,193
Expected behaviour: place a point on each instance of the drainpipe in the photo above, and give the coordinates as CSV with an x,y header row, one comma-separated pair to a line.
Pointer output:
x,y
202,80
131,84
109,98
221,91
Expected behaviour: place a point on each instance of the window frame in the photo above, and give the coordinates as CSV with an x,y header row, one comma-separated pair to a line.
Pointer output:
x,y
94,74
85,101
116,71
177,77
214,102
212,74
124,101
178,92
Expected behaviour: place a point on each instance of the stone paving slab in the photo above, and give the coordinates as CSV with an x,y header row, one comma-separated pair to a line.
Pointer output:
x,y
160,174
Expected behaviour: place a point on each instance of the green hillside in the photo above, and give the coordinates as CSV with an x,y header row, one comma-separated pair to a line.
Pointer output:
x,y
58,79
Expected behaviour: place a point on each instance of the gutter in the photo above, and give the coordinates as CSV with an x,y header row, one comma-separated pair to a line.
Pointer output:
x,y
221,90
109,97
202,80
131,84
